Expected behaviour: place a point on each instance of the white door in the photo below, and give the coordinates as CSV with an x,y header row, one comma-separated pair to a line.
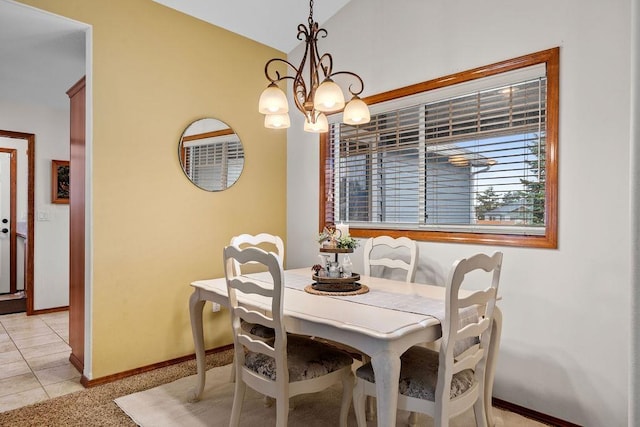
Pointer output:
x,y
5,211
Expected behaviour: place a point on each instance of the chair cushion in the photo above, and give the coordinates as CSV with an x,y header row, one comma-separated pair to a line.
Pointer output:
x,y
306,359
419,375
259,331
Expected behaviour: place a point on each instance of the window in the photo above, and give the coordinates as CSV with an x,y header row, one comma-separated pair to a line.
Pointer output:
x,y
470,157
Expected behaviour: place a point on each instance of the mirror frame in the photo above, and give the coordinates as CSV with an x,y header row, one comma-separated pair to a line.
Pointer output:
x,y
226,152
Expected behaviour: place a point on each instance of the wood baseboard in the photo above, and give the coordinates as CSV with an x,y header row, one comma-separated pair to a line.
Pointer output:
x,y
110,378
77,363
49,310
531,414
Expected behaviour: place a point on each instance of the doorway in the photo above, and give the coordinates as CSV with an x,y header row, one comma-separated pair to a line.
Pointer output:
x,y
8,196
16,221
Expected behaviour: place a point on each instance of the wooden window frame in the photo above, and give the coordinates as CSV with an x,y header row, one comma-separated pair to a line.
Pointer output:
x,y
551,59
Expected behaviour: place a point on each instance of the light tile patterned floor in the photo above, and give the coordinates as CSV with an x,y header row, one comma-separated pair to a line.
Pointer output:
x,y
34,359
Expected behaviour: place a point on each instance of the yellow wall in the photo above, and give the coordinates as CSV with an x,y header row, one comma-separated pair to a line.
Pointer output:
x,y
156,70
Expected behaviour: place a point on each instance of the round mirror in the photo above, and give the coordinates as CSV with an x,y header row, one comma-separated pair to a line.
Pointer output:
x,y
211,154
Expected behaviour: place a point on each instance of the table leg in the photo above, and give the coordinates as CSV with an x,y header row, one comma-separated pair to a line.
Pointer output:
x,y
195,311
492,356
386,367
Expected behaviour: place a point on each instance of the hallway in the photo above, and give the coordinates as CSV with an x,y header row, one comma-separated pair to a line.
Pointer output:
x,y
34,359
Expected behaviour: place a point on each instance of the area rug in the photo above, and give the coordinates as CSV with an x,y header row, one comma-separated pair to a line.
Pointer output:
x,y
168,405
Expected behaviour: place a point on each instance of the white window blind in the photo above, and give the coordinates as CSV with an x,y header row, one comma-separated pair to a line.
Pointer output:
x,y
474,161
214,163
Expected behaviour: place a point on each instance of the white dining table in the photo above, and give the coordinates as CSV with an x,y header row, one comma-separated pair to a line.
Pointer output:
x,y
381,333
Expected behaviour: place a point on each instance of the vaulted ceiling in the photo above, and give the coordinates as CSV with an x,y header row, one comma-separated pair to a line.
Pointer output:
x,y
43,55
271,22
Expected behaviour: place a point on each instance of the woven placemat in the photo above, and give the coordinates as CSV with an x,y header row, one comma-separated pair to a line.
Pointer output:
x,y
363,290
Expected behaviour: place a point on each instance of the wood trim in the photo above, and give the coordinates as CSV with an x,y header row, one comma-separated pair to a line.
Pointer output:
x,y
531,414
551,58
31,238
77,87
51,310
465,76
77,169
553,125
114,377
204,135
456,237
78,364
29,241
326,171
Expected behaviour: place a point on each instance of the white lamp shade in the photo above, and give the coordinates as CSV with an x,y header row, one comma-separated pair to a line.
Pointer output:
x,y
273,101
328,97
277,121
356,112
321,125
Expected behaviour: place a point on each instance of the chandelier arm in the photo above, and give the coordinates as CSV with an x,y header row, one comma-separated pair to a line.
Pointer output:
x,y
303,32
278,77
358,78
328,68
320,32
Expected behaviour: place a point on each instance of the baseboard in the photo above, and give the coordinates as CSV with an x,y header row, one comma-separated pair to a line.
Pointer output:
x,y
49,310
76,363
531,414
114,377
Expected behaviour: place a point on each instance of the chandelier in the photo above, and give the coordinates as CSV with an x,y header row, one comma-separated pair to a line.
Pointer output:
x,y
316,97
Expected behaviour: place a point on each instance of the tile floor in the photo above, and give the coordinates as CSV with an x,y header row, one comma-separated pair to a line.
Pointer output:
x,y
34,359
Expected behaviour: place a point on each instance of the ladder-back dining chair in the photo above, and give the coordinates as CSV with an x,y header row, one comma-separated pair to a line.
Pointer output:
x,y
287,365
266,241
387,253
391,253
444,384
269,243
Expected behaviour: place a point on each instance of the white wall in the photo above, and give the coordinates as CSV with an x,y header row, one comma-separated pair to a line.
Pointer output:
x,y
634,409
564,350
51,257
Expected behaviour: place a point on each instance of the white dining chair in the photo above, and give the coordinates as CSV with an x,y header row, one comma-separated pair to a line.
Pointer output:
x,y
287,365
391,253
446,383
387,253
266,241
269,243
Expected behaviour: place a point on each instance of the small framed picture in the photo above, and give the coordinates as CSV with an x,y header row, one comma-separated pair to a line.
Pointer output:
x,y
60,181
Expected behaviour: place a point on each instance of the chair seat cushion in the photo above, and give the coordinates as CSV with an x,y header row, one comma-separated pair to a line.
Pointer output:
x,y
306,359
419,375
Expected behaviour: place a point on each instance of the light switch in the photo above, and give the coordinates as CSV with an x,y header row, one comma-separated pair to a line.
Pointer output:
x,y
43,216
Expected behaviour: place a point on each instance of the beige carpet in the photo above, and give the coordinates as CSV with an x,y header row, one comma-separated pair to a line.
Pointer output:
x,y
168,405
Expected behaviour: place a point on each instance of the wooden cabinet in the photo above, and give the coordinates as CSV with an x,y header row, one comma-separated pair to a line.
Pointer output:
x,y
77,97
